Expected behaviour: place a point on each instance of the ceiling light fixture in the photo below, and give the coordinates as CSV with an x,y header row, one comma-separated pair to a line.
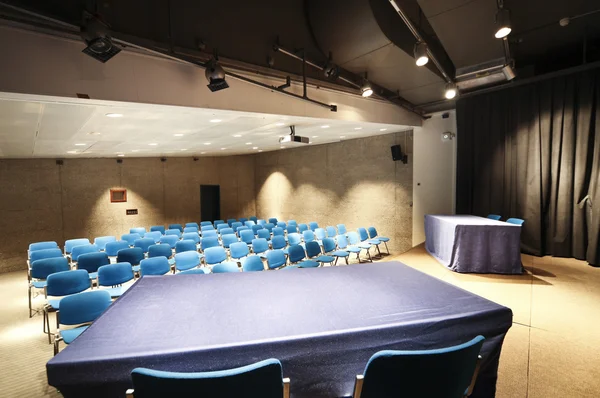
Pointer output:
x,y
451,91
503,25
223,149
248,143
237,135
382,129
207,143
153,144
79,144
96,35
279,124
215,120
342,136
357,128
314,136
366,89
135,150
184,149
114,115
215,74
177,135
71,151
420,52
202,153
255,147
326,126
120,155
260,150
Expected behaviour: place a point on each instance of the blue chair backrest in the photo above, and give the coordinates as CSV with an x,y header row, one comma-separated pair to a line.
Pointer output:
x,y
444,372
249,223
192,224
263,234
187,260
278,231
71,243
208,227
247,236
273,220
176,226
236,225
227,231
313,249
199,271
292,222
278,242
238,250
275,259
159,250
101,241
92,261
191,236
253,218
186,245
308,236
230,221
294,239
67,282
159,228
222,226
261,222
341,229
281,224
130,238
155,266
43,245
291,229
45,253
132,256
320,233
269,226
229,239
144,243
209,242
225,267
362,233
242,228
256,228
296,253
40,269
190,229
114,274
372,232
214,255
243,219
83,307
174,232
516,221
209,234
169,240
342,241
217,222
138,230
260,245
79,250
353,238
112,248
331,232
328,245
205,223
253,264
494,217
313,225
302,227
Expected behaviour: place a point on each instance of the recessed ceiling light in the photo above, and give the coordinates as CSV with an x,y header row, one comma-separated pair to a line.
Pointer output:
x,y
342,136
153,144
94,133
357,128
215,120
114,115
184,149
71,151
279,124
254,147
282,147
260,150
177,135
314,136
135,150
223,149
202,153
248,143
120,155
237,135
382,129
79,144
325,126
207,143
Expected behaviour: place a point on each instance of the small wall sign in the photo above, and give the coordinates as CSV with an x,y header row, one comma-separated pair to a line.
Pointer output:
x,y
131,212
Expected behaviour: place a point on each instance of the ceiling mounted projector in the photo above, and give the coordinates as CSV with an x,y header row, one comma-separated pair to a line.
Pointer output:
x,y
215,74
293,138
96,35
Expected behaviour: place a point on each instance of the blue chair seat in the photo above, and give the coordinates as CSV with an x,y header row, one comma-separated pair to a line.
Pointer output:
x,y
291,267
172,260
39,284
374,241
325,259
340,253
69,335
355,249
364,245
309,264
285,251
383,239
93,275
54,303
115,291
136,268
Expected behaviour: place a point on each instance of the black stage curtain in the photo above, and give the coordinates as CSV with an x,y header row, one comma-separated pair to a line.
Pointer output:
x,y
533,152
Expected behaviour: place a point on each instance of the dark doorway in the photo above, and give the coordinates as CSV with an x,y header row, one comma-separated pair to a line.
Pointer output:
x,y
210,202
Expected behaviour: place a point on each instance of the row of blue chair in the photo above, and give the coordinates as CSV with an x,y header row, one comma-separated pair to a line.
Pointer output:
x,y
516,221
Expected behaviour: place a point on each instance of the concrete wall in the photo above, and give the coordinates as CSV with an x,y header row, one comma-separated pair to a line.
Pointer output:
x,y
434,171
43,201
353,182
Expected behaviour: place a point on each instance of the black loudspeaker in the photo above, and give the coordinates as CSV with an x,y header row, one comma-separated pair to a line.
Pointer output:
x,y
398,155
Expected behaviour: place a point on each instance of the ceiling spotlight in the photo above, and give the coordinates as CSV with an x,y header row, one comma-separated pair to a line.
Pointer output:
x,y
503,25
382,129
215,120
96,35
326,126
342,136
420,52
185,149
366,89
223,149
260,150
79,144
177,135
153,144
113,115
120,155
71,152
207,143
237,135
279,124
202,153
451,91
215,74
135,150
255,147
357,128
248,143
314,136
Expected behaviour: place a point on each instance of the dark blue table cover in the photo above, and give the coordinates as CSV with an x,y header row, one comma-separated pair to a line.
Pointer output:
x,y
322,323
466,243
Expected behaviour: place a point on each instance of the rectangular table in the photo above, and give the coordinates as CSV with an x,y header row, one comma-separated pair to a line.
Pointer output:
x,y
474,244
322,323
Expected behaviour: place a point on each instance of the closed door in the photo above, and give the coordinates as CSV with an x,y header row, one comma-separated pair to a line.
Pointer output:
x,y
210,202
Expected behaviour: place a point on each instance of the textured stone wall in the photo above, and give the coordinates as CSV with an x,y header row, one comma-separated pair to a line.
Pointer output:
x,y
40,200
354,182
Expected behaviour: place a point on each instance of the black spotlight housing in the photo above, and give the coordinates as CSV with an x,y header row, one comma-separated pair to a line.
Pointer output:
x,y
215,74
96,35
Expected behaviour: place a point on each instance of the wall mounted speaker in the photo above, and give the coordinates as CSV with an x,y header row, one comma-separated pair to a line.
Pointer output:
x,y
398,155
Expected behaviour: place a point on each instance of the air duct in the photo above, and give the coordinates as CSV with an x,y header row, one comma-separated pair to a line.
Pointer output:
x,y
485,74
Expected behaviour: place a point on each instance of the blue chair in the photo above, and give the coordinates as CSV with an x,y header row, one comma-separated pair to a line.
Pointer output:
x,y
91,262
313,250
42,245
278,242
40,269
71,243
80,309
130,238
364,238
302,228
160,250
45,253
294,239
187,245
79,250
355,243
154,266
445,372
246,236
191,236
291,229
192,224
260,246
252,264
297,255
187,260
320,234
190,229
205,223
138,230
494,217
133,256
269,226
292,222
308,236
144,243
226,231
236,225
276,259
291,267
170,240
273,220
60,284
373,235
342,229
253,218
208,227
516,221
313,225
173,232
227,266
281,224
342,245
101,241
331,232
238,250
210,234
249,223
200,271
214,255
256,228
263,379
238,230
263,234
261,222
112,277
176,226
218,222
329,247
230,221
278,231
228,239
207,243
112,248
243,219
159,228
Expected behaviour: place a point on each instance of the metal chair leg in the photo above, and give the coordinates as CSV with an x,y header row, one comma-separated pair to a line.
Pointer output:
x,y
386,247
29,294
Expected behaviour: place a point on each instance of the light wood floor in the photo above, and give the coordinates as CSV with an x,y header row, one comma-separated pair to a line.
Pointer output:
x,y
552,349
